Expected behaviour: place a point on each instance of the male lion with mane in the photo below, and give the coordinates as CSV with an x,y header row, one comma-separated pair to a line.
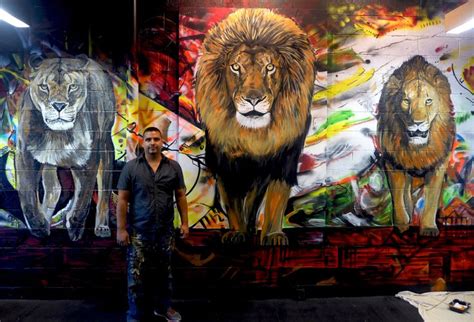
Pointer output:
x,y
254,87
65,120
416,132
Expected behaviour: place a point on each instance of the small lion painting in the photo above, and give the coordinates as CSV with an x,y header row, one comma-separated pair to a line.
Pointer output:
x,y
416,131
65,120
254,87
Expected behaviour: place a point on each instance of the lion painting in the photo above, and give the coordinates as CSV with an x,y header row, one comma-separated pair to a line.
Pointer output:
x,y
65,120
254,87
416,131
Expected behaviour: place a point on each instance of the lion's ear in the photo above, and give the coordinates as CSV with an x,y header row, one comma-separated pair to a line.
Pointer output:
x,y
84,59
394,84
35,61
435,77
431,72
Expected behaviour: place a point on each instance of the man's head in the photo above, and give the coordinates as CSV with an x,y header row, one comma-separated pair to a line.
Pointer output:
x,y
152,141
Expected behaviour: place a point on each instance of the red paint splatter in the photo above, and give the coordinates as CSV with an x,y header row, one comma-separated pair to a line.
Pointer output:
x,y
306,162
440,48
468,75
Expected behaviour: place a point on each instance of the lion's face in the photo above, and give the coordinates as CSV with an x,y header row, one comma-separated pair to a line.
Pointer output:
x,y
419,106
253,79
59,95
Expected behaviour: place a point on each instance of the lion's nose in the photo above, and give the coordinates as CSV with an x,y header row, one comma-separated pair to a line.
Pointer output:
x,y
254,100
59,106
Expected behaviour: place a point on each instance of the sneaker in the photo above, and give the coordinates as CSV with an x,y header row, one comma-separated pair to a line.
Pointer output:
x,y
170,315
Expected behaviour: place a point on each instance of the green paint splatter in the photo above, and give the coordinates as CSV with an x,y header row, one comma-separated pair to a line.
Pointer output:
x,y
462,117
9,221
338,60
452,192
334,118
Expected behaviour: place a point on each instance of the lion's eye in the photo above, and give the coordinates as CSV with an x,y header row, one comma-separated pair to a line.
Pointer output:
x,y
43,87
428,101
235,68
73,87
270,68
406,101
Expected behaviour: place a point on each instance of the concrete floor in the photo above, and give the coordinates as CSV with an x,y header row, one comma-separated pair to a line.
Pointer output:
x,y
371,308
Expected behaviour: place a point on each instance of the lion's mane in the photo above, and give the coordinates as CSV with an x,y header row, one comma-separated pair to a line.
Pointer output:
x,y
290,114
391,130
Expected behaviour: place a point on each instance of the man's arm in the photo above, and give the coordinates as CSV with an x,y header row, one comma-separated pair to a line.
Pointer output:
x,y
122,235
182,204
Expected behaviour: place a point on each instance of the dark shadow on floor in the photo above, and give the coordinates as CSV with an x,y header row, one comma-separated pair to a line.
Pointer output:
x,y
227,308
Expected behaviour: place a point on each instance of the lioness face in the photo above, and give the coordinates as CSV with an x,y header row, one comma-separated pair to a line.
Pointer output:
x,y
59,96
419,105
253,78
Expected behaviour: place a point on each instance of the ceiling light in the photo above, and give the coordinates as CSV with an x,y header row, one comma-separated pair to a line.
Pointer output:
x,y
460,19
462,28
5,16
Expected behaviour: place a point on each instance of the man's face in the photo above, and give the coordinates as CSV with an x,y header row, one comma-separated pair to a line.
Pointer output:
x,y
152,143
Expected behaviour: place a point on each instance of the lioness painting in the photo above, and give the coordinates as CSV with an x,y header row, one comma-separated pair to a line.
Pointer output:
x,y
416,131
65,120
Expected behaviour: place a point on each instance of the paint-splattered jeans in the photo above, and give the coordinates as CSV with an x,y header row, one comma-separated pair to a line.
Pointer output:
x,y
149,275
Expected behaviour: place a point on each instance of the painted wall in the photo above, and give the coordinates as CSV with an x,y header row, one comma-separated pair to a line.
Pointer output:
x,y
388,143
341,179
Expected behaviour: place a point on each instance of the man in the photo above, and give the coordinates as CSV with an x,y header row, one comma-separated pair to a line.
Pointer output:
x,y
148,183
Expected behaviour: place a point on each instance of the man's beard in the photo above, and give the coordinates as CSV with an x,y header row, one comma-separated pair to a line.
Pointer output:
x,y
153,150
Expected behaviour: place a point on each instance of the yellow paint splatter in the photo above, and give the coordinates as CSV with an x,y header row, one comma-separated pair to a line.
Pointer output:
x,y
332,130
360,77
126,96
427,23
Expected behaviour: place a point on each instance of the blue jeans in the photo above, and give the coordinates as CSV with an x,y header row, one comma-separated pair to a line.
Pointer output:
x,y
149,275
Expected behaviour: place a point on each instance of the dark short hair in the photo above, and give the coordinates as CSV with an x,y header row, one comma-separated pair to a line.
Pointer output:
x,y
152,129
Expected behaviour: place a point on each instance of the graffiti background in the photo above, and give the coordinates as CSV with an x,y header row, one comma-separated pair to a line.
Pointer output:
x,y
340,181
339,216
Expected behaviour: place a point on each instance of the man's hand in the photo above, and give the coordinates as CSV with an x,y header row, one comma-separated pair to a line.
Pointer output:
x,y
122,237
184,231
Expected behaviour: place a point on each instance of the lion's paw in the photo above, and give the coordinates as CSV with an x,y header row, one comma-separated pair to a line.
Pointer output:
x,y
102,231
429,231
402,228
75,229
275,239
234,238
39,226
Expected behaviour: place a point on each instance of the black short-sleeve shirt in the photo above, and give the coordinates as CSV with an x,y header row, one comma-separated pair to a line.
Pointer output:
x,y
151,194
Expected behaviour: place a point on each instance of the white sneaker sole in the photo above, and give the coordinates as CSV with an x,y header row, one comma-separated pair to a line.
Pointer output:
x,y
165,317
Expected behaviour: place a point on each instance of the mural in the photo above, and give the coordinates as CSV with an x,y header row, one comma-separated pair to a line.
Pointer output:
x,y
254,86
341,128
345,176
338,176
416,132
65,120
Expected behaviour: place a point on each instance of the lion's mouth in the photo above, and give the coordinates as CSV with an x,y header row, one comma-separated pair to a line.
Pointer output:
x,y
418,137
59,124
418,134
253,113
253,119
58,120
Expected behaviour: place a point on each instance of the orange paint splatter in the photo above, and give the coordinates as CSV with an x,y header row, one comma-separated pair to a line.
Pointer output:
x,y
468,75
